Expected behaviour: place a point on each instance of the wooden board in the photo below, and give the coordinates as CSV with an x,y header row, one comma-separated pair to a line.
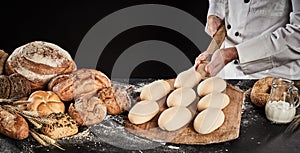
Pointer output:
x,y
187,135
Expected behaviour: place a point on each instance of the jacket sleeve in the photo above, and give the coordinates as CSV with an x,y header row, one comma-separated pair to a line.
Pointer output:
x,y
217,8
273,49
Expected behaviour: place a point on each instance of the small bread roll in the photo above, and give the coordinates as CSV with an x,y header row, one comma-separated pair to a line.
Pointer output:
x,y
213,100
174,118
143,111
155,90
45,103
181,97
188,78
209,120
213,84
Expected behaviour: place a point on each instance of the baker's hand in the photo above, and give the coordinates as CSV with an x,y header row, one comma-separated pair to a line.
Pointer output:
x,y
220,58
213,23
202,58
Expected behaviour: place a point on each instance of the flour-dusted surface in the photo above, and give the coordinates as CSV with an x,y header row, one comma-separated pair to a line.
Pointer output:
x,y
257,135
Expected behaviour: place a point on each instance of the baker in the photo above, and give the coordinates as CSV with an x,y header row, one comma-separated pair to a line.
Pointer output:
x,y
263,38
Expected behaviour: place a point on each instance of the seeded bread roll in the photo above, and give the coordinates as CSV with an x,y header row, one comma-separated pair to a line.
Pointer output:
x,y
3,58
39,62
63,126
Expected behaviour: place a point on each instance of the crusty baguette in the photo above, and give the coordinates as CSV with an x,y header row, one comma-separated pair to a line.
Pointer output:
x,y
13,125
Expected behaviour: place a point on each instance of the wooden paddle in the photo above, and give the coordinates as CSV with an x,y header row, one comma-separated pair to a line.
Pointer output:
x,y
215,44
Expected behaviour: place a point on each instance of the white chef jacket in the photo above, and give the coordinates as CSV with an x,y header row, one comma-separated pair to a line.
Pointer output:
x,y
266,34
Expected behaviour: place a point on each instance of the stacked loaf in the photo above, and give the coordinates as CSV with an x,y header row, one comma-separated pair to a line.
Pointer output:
x,y
210,106
14,86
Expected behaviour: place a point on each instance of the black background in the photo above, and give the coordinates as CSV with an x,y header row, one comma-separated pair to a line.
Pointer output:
x,y
65,23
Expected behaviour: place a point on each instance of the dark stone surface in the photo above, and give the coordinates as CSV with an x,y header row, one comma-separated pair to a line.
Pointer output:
x,y
257,134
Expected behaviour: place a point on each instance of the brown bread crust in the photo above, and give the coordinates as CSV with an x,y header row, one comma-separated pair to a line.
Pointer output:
x,y
13,125
3,58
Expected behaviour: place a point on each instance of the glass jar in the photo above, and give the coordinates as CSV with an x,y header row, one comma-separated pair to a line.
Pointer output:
x,y
282,102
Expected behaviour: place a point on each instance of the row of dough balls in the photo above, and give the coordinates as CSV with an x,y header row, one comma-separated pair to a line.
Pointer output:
x,y
213,100
177,116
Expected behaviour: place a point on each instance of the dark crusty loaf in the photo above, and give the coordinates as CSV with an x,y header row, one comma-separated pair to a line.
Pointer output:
x,y
19,86
39,62
4,87
14,86
13,125
3,58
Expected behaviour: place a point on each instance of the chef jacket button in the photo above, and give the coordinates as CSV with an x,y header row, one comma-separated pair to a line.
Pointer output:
x,y
246,1
236,33
228,26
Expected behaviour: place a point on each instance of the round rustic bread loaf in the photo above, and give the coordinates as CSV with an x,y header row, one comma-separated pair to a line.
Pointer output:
x,y
39,61
82,82
87,110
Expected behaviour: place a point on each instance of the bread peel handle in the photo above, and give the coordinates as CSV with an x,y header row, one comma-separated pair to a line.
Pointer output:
x,y
215,44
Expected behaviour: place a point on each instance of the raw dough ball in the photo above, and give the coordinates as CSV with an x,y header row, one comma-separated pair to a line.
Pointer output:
x,y
143,111
209,120
188,78
213,84
213,100
174,118
155,90
181,97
